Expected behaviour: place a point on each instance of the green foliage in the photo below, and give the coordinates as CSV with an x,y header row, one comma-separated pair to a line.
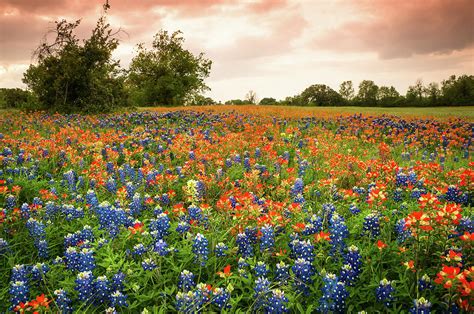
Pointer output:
x,y
167,74
14,97
74,76
320,95
268,101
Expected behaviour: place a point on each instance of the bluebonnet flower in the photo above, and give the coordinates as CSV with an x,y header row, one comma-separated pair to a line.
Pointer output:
x,y
314,225
84,285
25,211
42,247
19,292
183,227
261,269
139,249
334,295
398,195
4,247
401,179
195,189
91,199
70,178
38,271
117,298
160,225
267,240
282,272
136,205
353,258
130,188
201,248
161,247
220,249
262,289
354,209
421,306
72,212
118,281
402,232
303,271
10,202
195,213
339,233
62,301
192,155
384,292
424,283
185,302
72,258
220,298
277,303
19,273
111,186
86,260
302,249
186,281
201,295
348,274
245,247
371,225
252,234
148,264
101,290
298,187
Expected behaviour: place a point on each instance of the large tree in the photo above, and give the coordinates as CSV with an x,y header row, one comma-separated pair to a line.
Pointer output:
x,y
167,74
367,95
73,75
320,95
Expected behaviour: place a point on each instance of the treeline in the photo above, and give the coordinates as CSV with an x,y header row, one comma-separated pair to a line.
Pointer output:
x,y
454,91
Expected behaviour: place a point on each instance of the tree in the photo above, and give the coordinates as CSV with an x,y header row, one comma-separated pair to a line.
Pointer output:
x,y
346,90
251,97
433,94
72,76
167,74
387,96
320,95
458,91
268,101
367,94
415,94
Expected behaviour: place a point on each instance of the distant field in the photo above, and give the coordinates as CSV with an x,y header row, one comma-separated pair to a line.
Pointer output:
x,y
463,112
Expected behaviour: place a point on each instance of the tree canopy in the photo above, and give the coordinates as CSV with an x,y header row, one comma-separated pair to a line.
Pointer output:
x,y
77,76
167,74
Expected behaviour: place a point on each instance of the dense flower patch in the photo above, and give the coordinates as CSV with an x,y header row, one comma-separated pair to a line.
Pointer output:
x,y
196,211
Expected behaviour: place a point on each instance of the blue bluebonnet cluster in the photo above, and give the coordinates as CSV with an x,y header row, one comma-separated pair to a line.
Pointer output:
x,y
62,301
277,303
348,274
245,247
402,232
148,264
354,209
38,232
19,292
183,227
421,306
261,269
313,225
454,194
302,249
220,298
384,292
201,249
161,247
371,225
117,298
72,212
298,187
110,218
267,240
139,249
85,285
282,272
339,232
39,271
424,283
303,270
353,258
186,281
220,249
398,195
262,290
101,290
334,295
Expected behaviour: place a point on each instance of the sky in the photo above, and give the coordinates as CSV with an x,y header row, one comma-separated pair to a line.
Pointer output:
x,y
276,48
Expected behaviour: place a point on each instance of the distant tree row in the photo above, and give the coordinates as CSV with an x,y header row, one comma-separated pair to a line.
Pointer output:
x,y
454,91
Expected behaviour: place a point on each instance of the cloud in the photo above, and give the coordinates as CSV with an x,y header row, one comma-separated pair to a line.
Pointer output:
x,y
400,29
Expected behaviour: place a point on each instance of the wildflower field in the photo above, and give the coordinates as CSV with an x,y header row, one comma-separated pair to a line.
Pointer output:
x,y
236,210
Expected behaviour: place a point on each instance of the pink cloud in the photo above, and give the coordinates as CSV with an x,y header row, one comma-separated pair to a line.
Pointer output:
x,y
396,29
